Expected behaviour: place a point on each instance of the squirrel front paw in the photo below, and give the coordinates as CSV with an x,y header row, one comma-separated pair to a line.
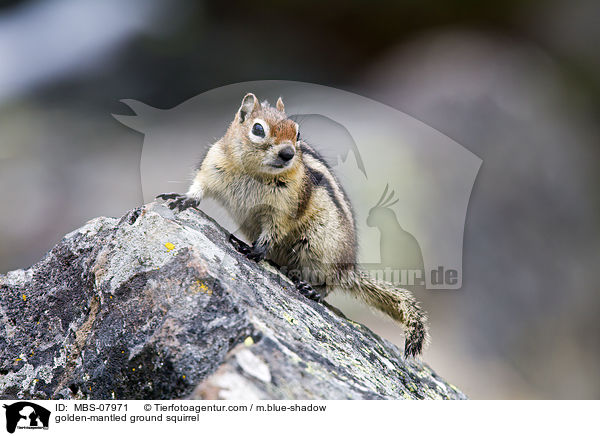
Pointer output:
x,y
179,201
258,252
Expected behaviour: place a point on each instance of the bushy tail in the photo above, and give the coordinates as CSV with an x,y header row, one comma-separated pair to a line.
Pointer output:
x,y
395,302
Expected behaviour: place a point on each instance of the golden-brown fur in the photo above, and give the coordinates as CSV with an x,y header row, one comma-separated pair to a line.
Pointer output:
x,y
296,211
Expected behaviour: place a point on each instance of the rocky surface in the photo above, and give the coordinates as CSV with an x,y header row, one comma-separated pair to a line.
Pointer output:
x,y
158,305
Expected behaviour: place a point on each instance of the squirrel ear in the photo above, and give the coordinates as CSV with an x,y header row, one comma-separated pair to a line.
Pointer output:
x,y
279,105
249,104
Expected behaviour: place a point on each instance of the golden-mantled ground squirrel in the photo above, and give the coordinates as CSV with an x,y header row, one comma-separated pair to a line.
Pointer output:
x,y
286,199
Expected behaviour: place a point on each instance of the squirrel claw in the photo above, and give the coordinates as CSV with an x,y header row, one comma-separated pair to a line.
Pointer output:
x,y
239,245
308,291
257,257
257,253
171,196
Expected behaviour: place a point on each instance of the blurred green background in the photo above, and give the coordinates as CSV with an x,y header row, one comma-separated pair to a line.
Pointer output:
x,y
515,82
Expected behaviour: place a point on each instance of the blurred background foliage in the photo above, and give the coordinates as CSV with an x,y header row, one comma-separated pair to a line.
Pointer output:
x,y
516,82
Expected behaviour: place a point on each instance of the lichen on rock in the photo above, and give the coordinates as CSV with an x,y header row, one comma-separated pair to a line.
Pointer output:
x,y
158,305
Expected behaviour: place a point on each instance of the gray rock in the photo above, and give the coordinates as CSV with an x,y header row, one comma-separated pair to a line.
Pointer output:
x,y
159,305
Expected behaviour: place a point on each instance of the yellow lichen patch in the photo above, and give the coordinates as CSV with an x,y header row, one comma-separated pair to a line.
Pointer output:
x,y
198,286
170,247
24,297
248,342
290,319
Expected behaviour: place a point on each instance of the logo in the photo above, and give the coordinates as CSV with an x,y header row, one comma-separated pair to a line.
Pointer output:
x,y
409,184
26,415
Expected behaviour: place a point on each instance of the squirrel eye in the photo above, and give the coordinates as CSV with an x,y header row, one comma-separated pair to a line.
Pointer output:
x,y
258,130
298,136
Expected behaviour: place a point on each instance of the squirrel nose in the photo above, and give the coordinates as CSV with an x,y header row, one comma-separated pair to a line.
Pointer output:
x,y
286,153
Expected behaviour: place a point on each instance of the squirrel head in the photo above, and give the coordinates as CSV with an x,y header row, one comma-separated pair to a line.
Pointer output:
x,y
263,140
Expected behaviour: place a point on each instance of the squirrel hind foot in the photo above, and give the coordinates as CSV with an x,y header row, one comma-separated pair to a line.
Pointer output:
x,y
308,291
